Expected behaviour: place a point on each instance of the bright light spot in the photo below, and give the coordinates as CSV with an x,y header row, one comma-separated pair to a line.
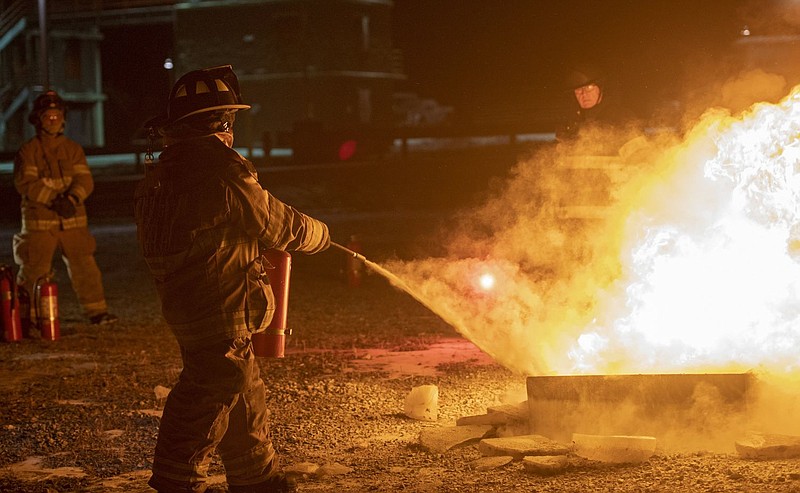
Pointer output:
x,y
486,281
745,31
168,64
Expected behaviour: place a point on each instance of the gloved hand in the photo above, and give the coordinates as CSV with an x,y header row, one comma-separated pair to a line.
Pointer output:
x,y
63,206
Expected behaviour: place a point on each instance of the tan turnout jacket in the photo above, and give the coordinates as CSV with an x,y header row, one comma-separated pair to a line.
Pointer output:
x,y
44,167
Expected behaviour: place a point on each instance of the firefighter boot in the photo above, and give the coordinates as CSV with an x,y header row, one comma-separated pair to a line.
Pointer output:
x,y
104,318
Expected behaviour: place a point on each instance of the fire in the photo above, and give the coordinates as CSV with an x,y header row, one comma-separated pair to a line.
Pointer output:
x,y
711,284
696,269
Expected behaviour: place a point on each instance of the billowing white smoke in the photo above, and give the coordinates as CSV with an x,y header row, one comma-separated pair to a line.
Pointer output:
x,y
693,269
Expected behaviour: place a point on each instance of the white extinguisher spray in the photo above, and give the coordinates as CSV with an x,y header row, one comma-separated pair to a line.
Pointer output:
x,y
45,304
272,342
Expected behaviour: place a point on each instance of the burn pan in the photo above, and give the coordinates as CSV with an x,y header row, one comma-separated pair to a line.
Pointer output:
x,y
681,410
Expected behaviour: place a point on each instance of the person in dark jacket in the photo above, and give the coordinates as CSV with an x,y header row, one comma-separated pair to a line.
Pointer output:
x,y
202,219
53,178
595,110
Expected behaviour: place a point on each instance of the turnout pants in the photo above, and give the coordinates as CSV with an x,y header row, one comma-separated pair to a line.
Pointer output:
x,y
218,403
34,250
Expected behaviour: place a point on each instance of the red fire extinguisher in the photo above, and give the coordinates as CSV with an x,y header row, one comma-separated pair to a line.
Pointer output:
x,y
46,307
354,267
12,324
272,342
24,310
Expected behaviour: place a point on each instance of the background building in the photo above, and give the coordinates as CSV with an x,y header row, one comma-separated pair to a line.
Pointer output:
x,y
326,76
69,64
318,74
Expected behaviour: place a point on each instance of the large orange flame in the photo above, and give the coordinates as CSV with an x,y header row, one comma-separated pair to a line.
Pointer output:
x,y
709,281
693,269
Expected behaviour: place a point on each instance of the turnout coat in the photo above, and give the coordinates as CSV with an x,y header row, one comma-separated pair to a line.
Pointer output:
x,y
202,218
45,167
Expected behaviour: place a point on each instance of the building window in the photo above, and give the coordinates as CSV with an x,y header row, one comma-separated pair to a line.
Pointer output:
x,y
72,59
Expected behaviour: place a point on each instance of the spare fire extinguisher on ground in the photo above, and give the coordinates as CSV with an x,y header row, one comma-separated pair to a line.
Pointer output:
x,y
45,302
272,342
354,268
24,310
12,322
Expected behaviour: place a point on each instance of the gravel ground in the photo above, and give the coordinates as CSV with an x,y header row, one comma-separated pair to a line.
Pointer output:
x,y
81,413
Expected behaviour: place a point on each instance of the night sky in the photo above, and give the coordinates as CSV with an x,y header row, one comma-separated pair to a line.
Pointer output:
x,y
464,53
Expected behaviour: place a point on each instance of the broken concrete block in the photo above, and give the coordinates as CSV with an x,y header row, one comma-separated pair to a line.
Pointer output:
x,y
161,392
442,439
483,419
333,469
521,446
613,448
508,420
301,468
514,412
422,403
545,465
489,463
768,446
505,414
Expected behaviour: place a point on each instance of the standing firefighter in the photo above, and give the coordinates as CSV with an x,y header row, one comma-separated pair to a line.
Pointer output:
x,y
51,174
202,218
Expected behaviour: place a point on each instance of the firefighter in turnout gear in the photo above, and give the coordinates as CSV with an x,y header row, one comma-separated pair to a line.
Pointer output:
x,y
202,218
53,178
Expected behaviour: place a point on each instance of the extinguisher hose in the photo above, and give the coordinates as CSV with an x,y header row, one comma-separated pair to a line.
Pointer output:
x,y
355,255
37,293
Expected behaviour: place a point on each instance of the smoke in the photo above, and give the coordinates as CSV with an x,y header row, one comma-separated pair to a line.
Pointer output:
x,y
771,17
551,264
670,255
741,92
775,404
677,254
712,418
736,94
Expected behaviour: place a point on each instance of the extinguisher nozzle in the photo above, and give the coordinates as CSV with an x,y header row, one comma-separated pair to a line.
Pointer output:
x,y
349,252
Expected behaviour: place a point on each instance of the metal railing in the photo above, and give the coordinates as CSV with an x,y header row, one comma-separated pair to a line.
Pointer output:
x,y
11,15
14,93
101,5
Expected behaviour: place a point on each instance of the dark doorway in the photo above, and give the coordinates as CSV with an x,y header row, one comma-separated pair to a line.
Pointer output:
x,y
134,79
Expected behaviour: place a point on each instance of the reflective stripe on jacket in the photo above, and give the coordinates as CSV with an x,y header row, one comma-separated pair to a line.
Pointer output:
x,y
44,167
201,218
